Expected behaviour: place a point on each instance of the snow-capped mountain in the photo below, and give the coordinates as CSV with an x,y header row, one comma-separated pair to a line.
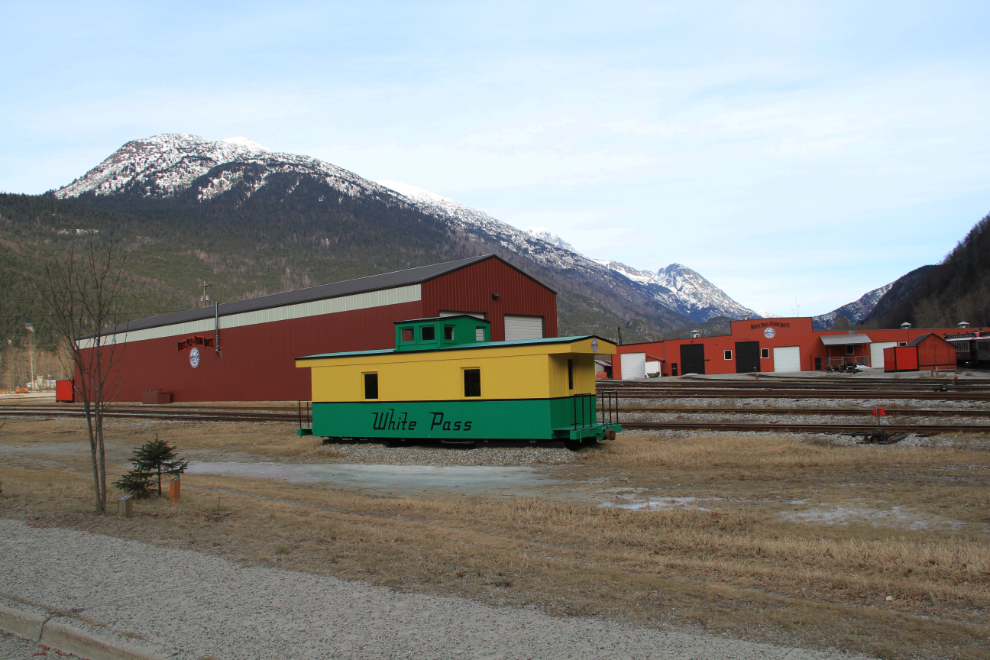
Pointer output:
x,y
855,311
685,290
174,163
193,170
676,287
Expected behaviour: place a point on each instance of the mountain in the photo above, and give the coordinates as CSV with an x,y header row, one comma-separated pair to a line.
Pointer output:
x,y
957,289
676,287
684,290
900,290
286,221
854,312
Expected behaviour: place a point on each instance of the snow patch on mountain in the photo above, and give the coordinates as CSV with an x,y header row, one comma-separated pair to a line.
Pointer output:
x,y
246,143
550,237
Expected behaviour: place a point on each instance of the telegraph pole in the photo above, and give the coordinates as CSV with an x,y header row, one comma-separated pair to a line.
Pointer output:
x,y
30,329
204,300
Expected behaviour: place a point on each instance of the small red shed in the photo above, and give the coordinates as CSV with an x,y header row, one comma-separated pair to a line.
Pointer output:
x,y
934,352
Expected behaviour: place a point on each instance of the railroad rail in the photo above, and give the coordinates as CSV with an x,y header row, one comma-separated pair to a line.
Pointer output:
x,y
894,412
171,414
923,429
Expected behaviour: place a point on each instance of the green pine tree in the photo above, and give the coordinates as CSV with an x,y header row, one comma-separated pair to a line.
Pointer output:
x,y
157,457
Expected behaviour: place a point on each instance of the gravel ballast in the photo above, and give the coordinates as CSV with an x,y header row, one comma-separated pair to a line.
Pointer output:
x,y
185,604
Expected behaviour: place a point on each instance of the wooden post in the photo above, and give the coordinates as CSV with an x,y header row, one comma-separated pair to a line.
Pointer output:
x,y
173,489
125,507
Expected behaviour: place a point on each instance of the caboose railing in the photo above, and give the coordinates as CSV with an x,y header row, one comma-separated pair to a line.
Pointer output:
x,y
584,416
609,407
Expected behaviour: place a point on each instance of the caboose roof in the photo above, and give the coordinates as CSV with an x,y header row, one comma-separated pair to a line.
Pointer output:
x,y
489,345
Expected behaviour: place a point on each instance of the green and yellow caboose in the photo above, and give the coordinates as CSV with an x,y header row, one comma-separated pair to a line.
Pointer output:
x,y
446,381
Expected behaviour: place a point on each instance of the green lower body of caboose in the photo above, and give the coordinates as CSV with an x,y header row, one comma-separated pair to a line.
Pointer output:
x,y
568,418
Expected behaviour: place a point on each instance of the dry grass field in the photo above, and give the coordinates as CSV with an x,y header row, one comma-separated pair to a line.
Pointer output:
x,y
881,550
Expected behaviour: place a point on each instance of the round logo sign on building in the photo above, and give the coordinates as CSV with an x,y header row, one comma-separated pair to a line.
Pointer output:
x,y
594,345
194,357
769,333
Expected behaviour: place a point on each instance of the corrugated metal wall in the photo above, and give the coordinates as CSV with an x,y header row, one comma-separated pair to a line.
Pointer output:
x,y
470,289
257,362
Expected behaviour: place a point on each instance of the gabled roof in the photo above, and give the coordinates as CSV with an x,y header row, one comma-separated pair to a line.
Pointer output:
x,y
392,280
918,340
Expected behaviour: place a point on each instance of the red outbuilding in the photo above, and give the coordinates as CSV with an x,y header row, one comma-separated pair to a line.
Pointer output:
x,y
246,350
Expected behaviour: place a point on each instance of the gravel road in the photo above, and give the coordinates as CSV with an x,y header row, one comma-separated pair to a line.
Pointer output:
x,y
190,605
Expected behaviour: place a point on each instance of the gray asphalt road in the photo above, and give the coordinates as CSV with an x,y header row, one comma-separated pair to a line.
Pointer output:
x,y
191,605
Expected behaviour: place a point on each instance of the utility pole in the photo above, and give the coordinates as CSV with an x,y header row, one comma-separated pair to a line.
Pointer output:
x,y
204,300
30,329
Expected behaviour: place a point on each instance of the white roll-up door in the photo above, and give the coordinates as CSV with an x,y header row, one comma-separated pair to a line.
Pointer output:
x,y
876,353
523,327
633,365
787,358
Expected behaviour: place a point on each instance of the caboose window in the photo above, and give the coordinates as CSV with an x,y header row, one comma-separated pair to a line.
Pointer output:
x,y
472,382
448,332
428,333
371,386
407,334
570,374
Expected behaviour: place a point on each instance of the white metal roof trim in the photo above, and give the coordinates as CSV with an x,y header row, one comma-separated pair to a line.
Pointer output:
x,y
302,310
842,340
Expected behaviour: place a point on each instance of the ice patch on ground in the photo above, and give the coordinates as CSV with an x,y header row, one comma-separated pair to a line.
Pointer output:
x,y
654,503
897,516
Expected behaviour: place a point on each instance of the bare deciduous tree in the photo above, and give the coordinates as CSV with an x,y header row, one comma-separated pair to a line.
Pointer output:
x,y
82,295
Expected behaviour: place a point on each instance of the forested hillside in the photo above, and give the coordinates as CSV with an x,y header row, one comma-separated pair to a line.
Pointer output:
x,y
247,247
958,289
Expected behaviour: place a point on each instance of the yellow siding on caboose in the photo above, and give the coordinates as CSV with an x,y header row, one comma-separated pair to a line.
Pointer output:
x,y
513,377
584,374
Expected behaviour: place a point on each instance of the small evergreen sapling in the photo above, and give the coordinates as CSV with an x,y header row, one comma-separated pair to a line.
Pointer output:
x,y
152,459
135,483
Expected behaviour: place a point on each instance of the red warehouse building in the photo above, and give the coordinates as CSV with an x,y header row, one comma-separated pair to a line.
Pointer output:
x,y
246,350
769,345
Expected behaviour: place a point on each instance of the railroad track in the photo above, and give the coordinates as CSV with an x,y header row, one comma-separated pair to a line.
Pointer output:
x,y
923,429
839,412
174,414
769,393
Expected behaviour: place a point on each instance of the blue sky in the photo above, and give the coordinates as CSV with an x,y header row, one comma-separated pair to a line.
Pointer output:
x,y
781,149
